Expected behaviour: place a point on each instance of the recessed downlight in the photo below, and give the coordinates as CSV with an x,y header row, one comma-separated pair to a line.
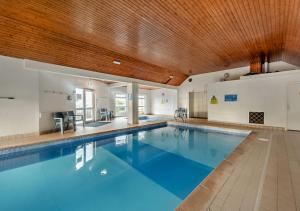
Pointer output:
x,y
116,61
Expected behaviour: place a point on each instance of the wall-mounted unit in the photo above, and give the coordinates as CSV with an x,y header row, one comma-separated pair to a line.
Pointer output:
x,y
257,117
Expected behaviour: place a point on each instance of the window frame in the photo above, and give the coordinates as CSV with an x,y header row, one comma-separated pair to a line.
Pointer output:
x,y
122,96
142,97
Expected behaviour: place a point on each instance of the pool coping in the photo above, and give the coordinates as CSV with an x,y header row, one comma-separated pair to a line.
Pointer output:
x,y
209,187
78,138
211,128
106,133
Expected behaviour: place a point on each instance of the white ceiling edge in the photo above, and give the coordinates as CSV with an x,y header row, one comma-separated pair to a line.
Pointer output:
x,y
117,85
122,84
275,69
238,73
281,66
270,74
59,69
235,73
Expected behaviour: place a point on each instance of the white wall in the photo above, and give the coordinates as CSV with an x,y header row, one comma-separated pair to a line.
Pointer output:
x,y
264,93
41,88
199,83
19,116
54,90
163,101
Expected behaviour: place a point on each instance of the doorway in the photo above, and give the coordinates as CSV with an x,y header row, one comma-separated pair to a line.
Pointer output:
x,y
198,104
85,104
293,106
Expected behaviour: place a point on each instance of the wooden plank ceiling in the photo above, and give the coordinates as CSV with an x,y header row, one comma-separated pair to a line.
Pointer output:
x,y
153,39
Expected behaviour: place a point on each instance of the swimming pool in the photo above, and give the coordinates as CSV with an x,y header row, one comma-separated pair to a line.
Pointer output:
x,y
144,118
148,169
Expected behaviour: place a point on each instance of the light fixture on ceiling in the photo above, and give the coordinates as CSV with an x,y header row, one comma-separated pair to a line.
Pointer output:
x,y
169,79
117,61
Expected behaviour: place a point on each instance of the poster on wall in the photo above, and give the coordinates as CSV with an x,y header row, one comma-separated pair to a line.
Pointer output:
x,y
213,100
230,98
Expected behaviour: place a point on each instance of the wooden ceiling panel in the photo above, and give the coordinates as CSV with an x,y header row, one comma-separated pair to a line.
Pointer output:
x,y
25,41
167,37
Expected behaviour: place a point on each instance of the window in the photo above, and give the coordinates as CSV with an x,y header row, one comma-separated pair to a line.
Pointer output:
x,y
120,104
142,103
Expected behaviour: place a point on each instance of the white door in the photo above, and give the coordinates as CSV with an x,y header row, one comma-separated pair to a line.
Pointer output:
x,y
294,106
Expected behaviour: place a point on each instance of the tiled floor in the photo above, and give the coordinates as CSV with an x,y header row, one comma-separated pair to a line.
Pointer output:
x,y
263,173
281,189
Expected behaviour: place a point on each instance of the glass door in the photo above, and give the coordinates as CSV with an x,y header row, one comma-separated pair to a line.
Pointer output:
x,y
142,103
89,105
120,105
79,102
85,104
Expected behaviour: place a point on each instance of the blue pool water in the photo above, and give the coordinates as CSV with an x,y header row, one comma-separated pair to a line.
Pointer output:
x,y
146,170
143,117
154,118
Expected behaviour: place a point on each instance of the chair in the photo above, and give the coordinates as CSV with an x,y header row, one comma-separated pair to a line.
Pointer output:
x,y
63,120
59,121
180,113
105,114
111,115
74,118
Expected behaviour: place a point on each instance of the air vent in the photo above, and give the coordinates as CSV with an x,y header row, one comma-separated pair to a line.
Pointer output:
x,y
256,117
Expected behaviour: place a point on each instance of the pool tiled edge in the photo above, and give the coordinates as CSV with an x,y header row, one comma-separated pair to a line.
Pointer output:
x,y
211,128
78,139
118,131
201,197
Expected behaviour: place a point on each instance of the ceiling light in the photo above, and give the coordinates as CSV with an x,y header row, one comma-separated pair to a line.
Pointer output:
x,y
169,79
118,62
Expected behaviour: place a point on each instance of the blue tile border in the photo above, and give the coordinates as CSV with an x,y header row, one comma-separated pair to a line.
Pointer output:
x,y
76,140
229,131
110,134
